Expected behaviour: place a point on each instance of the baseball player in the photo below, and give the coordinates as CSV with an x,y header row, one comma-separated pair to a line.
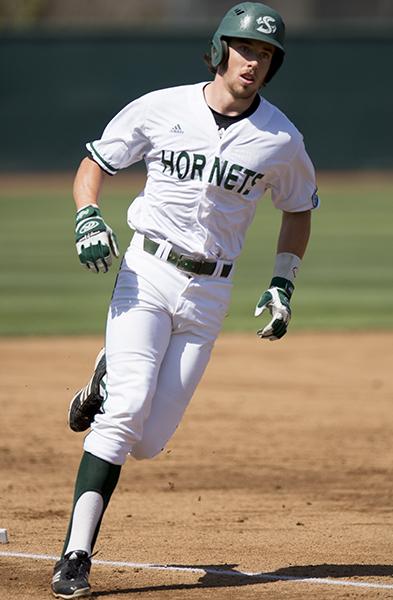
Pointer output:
x,y
211,151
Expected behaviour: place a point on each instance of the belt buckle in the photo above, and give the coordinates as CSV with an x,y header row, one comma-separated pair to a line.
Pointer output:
x,y
183,262
186,263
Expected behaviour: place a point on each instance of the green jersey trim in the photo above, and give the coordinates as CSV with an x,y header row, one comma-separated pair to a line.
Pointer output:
x,y
103,163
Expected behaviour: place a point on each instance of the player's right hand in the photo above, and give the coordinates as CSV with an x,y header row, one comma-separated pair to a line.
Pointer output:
x,y
95,241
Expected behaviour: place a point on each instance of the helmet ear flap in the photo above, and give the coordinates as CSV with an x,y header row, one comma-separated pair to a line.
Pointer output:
x,y
219,51
224,52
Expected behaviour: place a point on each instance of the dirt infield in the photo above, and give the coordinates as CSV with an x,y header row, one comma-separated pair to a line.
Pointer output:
x,y
282,466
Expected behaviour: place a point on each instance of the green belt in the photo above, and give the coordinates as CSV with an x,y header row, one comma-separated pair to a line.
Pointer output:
x,y
185,263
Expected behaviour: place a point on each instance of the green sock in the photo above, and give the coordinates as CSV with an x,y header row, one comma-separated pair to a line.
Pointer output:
x,y
94,475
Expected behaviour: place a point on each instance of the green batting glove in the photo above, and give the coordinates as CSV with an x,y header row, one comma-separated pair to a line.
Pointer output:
x,y
95,241
276,300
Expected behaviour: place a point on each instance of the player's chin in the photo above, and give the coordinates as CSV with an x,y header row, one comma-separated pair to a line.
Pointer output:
x,y
249,88
246,92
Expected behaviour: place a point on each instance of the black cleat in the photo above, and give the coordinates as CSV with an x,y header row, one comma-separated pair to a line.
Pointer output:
x,y
87,402
71,576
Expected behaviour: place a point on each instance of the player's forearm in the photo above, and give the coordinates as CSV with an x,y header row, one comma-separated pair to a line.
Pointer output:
x,y
87,184
294,233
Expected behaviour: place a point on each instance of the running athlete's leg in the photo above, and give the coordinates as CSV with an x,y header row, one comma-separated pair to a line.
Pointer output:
x,y
197,322
181,370
138,334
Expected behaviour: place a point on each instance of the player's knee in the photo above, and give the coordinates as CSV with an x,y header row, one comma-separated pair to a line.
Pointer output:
x,y
144,452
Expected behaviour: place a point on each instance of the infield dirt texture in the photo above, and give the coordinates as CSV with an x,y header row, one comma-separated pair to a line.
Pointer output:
x,y
281,466
278,484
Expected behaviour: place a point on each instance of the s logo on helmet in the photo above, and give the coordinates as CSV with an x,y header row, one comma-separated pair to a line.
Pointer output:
x,y
266,24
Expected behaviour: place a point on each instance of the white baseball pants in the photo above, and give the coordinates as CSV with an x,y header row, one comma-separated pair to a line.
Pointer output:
x,y
161,327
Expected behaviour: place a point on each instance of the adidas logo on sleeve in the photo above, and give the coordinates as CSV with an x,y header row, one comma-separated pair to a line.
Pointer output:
x,y
176,129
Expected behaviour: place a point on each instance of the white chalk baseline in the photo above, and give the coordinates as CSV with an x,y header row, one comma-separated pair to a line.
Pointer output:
x,y
213,571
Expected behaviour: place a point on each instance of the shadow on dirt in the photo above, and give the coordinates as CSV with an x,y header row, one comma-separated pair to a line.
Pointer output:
x,y
226,575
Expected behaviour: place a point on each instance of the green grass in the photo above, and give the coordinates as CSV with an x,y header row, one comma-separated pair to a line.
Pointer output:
x,y
345,282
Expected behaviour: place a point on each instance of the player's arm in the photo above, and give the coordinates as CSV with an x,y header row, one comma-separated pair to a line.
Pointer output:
x,y
95,240
294,233
88,183
291,247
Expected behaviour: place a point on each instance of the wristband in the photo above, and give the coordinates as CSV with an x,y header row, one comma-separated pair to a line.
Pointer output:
x,y
287,266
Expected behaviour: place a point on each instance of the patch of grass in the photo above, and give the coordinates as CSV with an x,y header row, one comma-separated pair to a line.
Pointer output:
x,y
44,288
345,282
346,277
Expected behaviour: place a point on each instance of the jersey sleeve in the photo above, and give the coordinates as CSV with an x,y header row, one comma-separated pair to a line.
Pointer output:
x,y
124,141
293,187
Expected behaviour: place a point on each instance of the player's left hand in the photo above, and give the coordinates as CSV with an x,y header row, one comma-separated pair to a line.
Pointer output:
x,y
276,300
95,240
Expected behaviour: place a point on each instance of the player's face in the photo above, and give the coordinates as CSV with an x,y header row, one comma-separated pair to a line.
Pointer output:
x,y
248,64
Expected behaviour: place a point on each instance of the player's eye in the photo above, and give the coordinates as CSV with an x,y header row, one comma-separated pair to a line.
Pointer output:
x,y
264,55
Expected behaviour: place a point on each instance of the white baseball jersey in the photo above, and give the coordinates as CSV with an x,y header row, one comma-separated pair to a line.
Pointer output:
x,y
203,183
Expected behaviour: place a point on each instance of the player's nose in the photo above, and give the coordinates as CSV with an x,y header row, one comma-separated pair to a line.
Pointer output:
x,y
252,62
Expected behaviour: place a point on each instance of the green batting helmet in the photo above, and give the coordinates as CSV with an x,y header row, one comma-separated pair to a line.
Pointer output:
x,y
253,21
